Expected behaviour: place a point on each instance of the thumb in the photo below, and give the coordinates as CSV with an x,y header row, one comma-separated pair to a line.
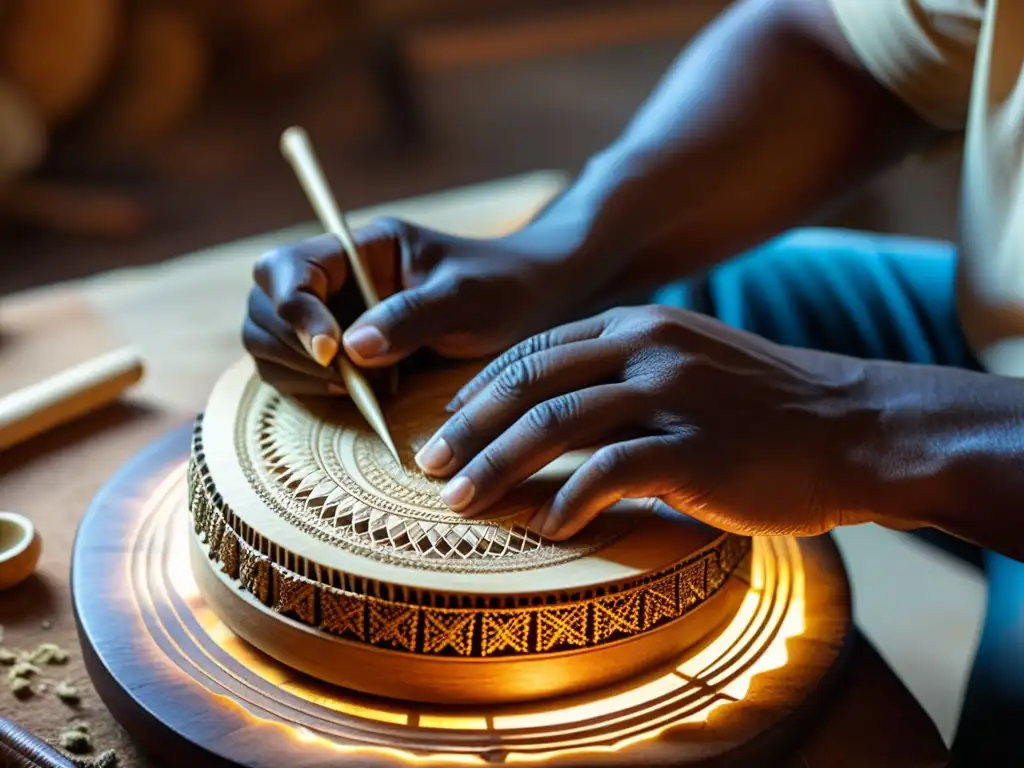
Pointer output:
x,y
403,323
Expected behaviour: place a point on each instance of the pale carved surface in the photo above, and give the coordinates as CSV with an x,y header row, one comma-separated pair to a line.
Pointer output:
x,y
266,467
334,479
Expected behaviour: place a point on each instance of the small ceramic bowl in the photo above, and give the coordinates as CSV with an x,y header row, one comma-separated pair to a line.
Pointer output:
x,y
20,546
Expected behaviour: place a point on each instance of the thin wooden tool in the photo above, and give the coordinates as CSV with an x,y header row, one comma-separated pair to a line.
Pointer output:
x,y
68,395
298,151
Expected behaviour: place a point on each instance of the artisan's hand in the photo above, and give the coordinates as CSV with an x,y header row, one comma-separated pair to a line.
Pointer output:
x,y
734,430
461,298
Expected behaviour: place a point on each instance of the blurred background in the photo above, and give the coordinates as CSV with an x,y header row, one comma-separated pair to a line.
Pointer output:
x,y
132,131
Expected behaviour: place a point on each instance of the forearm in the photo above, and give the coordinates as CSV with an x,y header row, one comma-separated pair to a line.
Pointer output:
x,y
762,122
950,455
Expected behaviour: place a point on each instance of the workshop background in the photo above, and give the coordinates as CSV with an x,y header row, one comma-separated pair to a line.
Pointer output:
x,y
132,131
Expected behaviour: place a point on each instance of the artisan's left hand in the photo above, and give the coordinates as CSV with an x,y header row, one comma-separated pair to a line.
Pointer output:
x,y
741,433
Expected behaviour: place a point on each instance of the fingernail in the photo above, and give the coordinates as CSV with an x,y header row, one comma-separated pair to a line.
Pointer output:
x,y
366,341
458,493
536,523
549,525
435,455
306,342
324,349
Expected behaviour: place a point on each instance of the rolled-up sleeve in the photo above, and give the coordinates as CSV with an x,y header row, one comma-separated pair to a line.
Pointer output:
x,y
921,50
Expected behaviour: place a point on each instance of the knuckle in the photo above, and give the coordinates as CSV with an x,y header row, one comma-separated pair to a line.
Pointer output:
x,y
554,414
516,380
389,226
268,262
290,309
249,338
607,461
459,427
490,463
468,283
405,306
659,331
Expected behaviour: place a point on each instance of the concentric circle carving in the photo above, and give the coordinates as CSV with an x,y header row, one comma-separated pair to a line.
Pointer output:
x,y
335,480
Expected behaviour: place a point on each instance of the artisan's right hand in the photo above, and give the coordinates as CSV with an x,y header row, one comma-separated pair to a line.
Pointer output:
x,y
461,298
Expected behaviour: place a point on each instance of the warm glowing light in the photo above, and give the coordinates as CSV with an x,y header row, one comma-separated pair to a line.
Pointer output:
x,y
453,722
714,650
179,570
597,708
345,706
758,559
717,676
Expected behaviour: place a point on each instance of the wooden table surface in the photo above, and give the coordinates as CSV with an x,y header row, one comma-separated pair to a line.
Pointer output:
x,y
184,317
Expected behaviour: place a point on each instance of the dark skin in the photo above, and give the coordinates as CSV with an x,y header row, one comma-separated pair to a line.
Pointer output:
x,y
758,127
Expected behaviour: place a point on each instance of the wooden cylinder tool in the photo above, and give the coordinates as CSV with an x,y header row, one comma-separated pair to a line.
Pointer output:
x,y
68,395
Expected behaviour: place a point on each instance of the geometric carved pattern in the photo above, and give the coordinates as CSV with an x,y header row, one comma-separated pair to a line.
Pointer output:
x,y
580,621
660,601
505,631
448,629
228,553
341,613
304,470
296,596
561,627
393,624
617,614
692,590
715,574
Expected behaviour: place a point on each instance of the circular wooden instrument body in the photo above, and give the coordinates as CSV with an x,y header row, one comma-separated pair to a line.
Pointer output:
x,y
192,692
312,543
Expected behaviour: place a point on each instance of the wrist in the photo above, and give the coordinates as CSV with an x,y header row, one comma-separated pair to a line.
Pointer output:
x,y
946,450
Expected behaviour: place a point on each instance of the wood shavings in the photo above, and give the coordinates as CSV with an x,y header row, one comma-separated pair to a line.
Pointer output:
x,y
45,624
67,693
105,759
22,669
48,653
7,657
20,687
77,742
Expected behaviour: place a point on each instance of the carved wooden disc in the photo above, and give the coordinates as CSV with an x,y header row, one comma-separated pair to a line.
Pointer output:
x,y
311,478
316,546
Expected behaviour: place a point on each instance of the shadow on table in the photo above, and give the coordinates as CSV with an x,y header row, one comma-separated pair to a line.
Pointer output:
x,y
118,415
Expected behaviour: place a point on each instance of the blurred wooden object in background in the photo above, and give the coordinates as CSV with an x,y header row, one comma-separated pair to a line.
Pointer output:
x,y
120,76
158,77
58,52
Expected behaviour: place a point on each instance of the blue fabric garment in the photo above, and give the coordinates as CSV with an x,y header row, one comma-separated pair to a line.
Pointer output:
x,y
891,298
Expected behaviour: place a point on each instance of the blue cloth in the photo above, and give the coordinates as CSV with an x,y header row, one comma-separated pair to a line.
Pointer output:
x,y
890,298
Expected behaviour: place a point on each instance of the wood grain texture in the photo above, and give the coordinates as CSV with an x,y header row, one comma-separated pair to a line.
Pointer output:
x,y
185,685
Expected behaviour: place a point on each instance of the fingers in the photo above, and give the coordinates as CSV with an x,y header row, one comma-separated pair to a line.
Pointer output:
x,y
298,279
648,467
591,328
406,322
523,385
545,432
265,346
